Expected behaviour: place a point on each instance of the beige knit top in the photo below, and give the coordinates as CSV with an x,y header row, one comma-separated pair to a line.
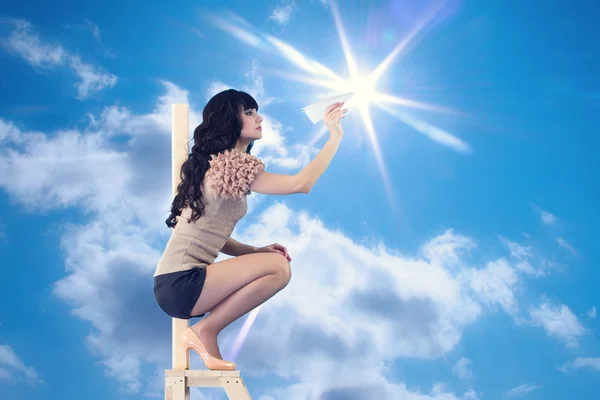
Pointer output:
x,y
224,189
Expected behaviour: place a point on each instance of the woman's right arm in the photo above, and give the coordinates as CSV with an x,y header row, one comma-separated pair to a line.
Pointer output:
x,y
303,181
310,174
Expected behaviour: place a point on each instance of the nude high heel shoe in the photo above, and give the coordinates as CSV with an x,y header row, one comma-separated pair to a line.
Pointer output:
x,y
191,341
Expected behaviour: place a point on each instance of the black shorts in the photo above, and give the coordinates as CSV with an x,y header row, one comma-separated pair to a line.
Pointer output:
x,y
176,293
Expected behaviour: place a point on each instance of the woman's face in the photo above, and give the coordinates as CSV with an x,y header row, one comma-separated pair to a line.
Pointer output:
x,y
251,129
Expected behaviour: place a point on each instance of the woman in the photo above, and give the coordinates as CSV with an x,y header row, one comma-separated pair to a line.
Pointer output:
x,y
210,200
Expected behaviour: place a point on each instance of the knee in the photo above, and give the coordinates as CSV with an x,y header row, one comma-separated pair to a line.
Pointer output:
x,y
283,269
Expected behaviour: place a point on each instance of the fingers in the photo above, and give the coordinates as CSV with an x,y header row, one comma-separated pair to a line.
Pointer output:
x,y
281,249
341,113
336,113
334,105
333,108
336,116
286,254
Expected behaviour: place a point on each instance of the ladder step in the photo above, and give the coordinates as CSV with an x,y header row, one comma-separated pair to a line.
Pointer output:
x,y
231,381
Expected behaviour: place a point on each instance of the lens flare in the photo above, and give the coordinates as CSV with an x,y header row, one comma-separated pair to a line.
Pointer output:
x,y
243,333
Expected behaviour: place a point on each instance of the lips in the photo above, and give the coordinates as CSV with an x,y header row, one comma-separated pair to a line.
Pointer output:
x,y
259,128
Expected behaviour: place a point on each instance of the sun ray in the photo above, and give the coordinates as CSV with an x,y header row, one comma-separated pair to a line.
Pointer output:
x,y
386,98
236,31
387,62
353,69
432,132
364,111
243,333
322,83
320,133
300,60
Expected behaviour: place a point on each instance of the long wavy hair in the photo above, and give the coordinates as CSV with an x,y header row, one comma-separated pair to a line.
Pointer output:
x,y
219,131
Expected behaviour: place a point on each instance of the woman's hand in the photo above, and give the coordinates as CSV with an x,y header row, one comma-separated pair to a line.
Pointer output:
x,y
332,119
274,248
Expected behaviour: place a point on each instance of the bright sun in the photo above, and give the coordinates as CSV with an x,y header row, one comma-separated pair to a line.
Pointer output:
x,y
364,89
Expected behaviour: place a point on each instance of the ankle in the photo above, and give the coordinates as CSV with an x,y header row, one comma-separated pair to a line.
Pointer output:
x,y
203,328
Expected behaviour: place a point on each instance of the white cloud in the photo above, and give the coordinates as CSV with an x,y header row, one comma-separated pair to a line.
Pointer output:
x,y
448,248
83,168
88,26
66,169
92,79
592,312
282,14
558,321
368,388
546,217
527,268
462,369
565,245
522,390
12,368
520,253
23,42
254,86
215,87
413,308
29,46
516,250
470,395
526,260
582,362
109,284
495,284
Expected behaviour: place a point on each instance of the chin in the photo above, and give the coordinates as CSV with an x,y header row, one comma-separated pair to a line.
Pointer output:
x,y
252,136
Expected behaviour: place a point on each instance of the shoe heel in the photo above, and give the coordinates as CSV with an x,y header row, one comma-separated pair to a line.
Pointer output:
x,y
191,341
186,354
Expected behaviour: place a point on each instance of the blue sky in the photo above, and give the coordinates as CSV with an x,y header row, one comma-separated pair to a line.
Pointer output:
x,y
473,279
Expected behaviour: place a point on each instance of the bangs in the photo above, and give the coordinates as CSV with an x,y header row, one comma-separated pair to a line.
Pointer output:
x,y
247,101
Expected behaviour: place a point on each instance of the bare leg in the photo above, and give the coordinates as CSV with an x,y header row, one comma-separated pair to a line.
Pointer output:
x,y
234,287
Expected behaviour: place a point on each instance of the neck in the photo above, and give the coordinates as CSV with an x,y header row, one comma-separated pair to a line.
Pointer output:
x,y
241,145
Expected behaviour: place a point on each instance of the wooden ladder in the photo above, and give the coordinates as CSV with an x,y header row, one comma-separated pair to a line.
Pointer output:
x,y
180,378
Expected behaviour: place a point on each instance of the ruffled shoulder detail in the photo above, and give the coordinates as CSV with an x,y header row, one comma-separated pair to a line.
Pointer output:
x,y
232,171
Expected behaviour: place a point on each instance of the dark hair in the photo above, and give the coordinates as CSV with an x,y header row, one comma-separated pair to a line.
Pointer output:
x,y
219,131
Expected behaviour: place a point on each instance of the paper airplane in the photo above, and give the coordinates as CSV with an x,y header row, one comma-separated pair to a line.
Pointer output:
x,y
316,110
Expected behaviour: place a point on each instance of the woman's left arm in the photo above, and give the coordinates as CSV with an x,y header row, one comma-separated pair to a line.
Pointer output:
x,y
234,248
